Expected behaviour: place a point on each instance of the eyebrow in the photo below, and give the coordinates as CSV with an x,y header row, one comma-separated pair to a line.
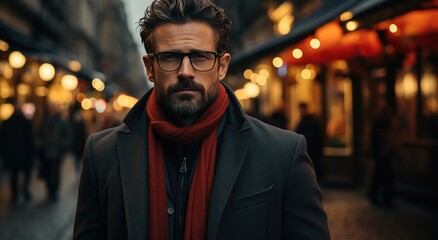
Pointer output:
x,y
190,51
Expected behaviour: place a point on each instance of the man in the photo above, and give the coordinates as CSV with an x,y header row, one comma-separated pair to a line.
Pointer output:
x,y
188,163
55,141
384,149
18,152
311,129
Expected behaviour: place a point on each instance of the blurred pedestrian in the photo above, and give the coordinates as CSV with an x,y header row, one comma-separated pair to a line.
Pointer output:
x,y
310,127
188,163
18,152
79,135
278,118
383,140
55,140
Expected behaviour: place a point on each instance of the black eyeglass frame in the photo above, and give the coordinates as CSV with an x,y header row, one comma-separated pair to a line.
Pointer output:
x,y
189,54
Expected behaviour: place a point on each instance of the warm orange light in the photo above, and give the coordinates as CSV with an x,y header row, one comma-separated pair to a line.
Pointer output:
x,y
277,62
86,104
247,74
41,91
315,43
46,72
126,101
264,73
251,89
17,59
75,65
306,74
346,16
23,89
284,9
6,111
262,80
393,28
297,53
352,25
4,46
80,97
8,72
254,77
69,82
285,24
240,94
98,84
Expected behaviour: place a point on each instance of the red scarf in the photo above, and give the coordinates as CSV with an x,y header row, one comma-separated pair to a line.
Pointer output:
x,y
199,196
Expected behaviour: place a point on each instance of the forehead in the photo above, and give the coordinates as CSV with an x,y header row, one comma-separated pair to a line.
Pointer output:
x,y
184,37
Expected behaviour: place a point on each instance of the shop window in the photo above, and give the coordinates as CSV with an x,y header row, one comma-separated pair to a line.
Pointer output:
x,y
339,130
429,92
406,89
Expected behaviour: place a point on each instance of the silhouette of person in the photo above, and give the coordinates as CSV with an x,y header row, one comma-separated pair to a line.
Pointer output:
x,y
55,143
18,152
79,136
278,118
310,127
381,190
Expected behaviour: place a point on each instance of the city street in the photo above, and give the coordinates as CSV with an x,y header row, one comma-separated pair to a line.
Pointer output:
x,y
40,219
350,215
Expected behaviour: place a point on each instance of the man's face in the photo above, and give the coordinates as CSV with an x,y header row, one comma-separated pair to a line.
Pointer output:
x,y
185,92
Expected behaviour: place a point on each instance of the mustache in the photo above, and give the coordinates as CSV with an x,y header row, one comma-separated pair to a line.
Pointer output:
x,y
185,84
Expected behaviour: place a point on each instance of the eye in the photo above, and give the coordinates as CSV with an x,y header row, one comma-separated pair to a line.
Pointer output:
x,y
200,57
170,56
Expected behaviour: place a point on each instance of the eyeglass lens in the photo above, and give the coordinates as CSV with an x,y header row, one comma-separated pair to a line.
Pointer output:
x,y
201,61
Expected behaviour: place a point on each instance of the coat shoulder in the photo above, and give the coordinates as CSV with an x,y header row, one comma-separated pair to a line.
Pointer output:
x,y
106,136
103,144
270,132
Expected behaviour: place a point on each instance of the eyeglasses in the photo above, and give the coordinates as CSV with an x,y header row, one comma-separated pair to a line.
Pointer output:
x,y
201,61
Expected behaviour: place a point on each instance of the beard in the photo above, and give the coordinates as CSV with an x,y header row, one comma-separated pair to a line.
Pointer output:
x,y
185,105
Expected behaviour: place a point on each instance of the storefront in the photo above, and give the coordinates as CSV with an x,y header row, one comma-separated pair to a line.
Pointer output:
x,y
375,51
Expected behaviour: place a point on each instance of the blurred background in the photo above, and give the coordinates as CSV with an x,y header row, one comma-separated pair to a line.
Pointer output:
x,y
357,78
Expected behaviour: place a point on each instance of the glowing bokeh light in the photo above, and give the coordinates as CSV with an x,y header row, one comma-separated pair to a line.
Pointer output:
x,y
46,71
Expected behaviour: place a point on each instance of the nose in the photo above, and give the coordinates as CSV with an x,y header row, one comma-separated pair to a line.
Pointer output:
x,y
186,70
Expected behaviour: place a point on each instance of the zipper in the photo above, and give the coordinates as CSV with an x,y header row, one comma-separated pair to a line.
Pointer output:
x,y
183,168
181,195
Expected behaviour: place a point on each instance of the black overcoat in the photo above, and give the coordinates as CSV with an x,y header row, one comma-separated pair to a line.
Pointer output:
x,y
264,185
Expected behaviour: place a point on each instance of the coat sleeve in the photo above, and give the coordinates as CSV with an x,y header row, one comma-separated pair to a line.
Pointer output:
x,y
303,213
88,223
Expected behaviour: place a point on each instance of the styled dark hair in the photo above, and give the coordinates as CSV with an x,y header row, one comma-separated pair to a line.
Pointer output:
x,y
183,11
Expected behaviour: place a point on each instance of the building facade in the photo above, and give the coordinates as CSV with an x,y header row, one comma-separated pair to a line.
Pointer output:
x,y
67,51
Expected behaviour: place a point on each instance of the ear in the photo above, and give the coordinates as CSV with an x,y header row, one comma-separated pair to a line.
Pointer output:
x,y
149,65
224,61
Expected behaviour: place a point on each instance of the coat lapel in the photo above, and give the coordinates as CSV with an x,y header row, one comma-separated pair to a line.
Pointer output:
x,y
232,154
134,174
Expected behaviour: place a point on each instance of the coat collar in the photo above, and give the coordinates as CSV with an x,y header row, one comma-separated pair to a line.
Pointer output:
x,y
132,142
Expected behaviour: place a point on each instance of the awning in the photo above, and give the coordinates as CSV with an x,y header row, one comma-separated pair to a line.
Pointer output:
x,y
44,52
21,42
329,11
416,29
